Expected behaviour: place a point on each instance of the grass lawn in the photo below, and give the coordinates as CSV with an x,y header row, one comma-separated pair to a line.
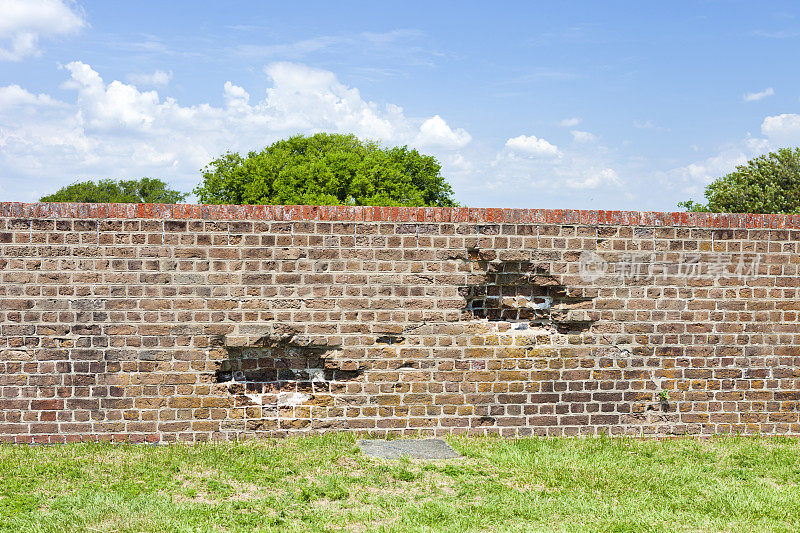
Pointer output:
x,y
325,483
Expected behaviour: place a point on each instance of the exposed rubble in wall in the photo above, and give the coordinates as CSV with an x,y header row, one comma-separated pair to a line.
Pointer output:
x,y
526,295
285,375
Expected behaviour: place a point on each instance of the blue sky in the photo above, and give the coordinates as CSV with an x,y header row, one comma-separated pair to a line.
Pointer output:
x,y
610,105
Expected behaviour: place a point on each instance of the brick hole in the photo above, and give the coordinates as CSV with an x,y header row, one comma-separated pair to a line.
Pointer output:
x,y
524,293
285,385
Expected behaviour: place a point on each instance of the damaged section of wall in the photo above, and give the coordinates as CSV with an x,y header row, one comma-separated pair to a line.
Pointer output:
x,y
168,323
285,381
524,293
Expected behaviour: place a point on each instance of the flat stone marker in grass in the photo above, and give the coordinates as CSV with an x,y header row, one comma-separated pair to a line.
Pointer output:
x,y
412,448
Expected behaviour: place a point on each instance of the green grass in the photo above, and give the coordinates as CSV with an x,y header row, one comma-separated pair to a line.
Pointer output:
x,y
324,483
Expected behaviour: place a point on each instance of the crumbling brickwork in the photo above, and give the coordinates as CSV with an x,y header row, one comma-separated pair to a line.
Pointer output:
x,y
167,323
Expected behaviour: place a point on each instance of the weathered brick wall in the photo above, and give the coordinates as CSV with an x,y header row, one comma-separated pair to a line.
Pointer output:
x,y
164,323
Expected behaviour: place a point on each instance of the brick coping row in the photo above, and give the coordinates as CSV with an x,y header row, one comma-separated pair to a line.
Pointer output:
x,y
344,213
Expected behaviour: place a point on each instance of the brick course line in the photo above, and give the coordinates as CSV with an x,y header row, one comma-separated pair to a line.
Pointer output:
x,y
397,214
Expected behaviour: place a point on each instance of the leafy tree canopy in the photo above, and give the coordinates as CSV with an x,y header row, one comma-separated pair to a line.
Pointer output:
x,y
326,169
767,184
144,190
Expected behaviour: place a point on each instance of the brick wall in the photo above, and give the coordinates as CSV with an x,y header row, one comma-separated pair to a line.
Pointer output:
x,y
163,323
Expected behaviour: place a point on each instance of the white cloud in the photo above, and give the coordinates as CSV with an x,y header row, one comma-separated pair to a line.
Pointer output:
x,y
532,146
116,106
706,171
583,136
113,129
235,96
529,175
14,95
436,132
299,49
754,97
692,178
570,122
592,178
780,34
308,99
23,22
159,78
528,165
777,131
782,129
648,125
456,163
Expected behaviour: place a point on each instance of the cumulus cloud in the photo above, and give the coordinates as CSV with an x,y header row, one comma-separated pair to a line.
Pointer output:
x,y
159,78
458,163
115,129
532,146
570,122
115,106
754,97
23,22
14,95
304,98
592,178
782,129
572,170
778,130
692,178
235,96
583,136
436,132
528,164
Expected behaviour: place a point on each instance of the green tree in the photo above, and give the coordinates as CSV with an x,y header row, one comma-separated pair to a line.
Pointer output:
x,y
767,184
326,169
144,190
